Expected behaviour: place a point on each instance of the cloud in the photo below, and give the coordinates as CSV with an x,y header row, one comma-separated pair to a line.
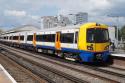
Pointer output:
x,y
30,11
34,17
93,7
20,14
15,13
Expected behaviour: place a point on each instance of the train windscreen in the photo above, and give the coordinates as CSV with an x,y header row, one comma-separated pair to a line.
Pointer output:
x,y
97,35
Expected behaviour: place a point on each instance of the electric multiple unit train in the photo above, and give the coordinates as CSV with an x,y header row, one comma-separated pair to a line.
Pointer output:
x,y
87,43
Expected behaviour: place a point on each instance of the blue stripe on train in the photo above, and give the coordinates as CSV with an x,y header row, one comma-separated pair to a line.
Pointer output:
x,y
86,56
45,47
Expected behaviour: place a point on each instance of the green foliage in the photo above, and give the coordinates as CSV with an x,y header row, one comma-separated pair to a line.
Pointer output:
x,y
119,35
122,32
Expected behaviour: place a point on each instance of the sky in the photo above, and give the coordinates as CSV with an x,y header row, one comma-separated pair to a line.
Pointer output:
x,y
14,13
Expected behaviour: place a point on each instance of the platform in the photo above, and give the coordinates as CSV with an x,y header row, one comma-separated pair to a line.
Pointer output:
x,y
5,77
118,55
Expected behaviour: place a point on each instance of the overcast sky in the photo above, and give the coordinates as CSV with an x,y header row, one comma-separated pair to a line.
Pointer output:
x,y
14,13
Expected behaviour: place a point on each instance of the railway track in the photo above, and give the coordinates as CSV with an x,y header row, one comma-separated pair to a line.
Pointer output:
x,y
114,70
76,69
19,73
117,68
70,78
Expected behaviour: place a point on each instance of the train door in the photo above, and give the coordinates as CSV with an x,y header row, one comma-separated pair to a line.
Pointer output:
x,y
34,39
19,39
57,42
25,38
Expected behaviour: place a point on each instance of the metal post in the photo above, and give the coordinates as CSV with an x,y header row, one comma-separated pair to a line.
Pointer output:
x,y
117,17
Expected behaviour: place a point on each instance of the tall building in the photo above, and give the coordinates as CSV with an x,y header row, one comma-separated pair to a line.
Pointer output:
x,y
49,22
73,19
78,18
64,20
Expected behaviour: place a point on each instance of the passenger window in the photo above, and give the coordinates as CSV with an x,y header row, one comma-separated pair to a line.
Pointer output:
x,y
67,37
46,38
11,37
30,38
15,37
21,37
38,37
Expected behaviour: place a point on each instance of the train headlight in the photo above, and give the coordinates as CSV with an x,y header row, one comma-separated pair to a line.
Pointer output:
x,y
106,48
89,48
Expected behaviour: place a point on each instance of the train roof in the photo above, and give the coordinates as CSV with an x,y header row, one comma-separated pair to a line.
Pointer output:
x,y
62,28
59,28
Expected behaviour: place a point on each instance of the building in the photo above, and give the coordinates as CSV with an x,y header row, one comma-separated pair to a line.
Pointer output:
x,y
64,20
49,22
24,28
74,19
78,18
81,18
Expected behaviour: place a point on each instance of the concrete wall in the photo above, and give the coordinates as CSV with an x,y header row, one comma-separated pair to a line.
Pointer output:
x,y
112,35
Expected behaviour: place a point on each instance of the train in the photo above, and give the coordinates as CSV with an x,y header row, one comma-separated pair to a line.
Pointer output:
x,y
88,42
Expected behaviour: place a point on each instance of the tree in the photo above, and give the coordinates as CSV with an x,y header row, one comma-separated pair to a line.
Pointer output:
x,y
119,34
122,31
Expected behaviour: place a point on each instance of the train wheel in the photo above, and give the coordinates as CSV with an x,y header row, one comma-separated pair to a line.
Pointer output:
x,y
38,50
45,51
59,54
78,59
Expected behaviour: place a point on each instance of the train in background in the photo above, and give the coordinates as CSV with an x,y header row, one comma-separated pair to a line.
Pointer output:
x,y
87,43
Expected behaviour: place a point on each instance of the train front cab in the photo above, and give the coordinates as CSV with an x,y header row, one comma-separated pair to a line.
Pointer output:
x,y
93,43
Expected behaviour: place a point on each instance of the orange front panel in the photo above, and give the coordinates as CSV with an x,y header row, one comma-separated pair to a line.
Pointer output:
x,y
34,39
57,42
